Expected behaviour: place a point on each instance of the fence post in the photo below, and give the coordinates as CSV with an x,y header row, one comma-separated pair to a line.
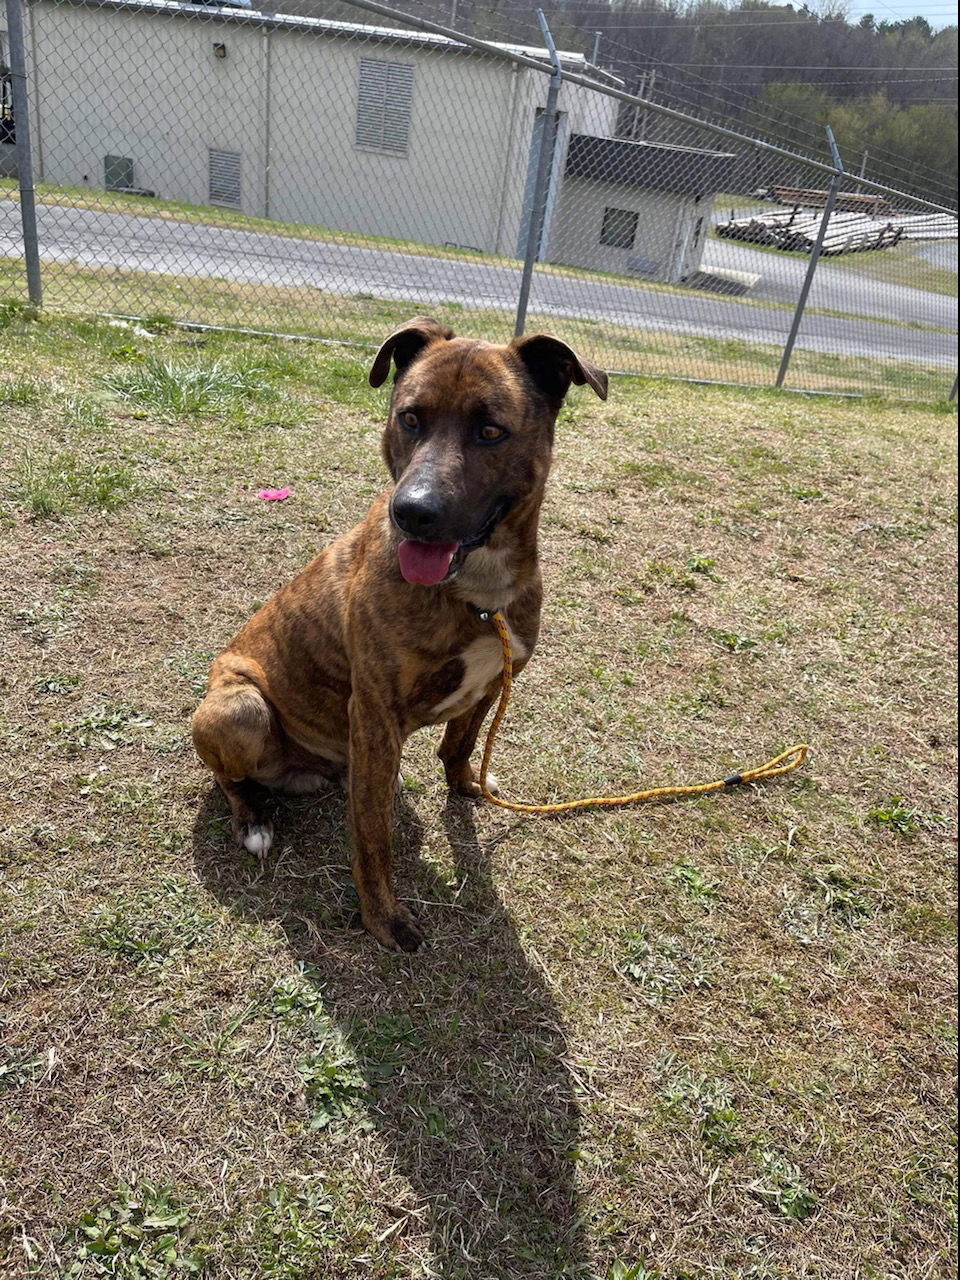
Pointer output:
x,y
21,126
538,203
838,176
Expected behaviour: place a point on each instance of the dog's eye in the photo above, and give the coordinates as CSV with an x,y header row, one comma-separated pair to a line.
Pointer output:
x,y
490,433
409,421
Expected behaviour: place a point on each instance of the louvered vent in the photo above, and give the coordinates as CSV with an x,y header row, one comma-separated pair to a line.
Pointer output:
x,y
383,106
225,178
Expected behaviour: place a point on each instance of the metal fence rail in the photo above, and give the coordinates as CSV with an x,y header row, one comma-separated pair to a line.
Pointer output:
x,y
289,172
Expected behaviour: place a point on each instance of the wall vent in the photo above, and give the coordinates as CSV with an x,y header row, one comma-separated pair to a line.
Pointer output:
x,y
117,173
384,104
225,178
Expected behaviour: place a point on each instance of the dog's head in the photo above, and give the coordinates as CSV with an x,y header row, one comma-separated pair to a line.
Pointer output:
x,y
469,436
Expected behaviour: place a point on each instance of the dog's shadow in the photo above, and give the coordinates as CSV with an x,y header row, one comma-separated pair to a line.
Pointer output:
x,y
461,1045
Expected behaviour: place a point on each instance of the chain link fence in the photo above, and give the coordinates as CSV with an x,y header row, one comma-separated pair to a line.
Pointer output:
x,y
327,178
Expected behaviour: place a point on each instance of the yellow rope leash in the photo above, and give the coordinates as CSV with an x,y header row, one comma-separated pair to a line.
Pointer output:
x,y
783,763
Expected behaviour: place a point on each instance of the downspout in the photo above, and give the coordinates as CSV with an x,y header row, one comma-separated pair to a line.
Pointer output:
x,y
508,158
266,122
676,262
38,121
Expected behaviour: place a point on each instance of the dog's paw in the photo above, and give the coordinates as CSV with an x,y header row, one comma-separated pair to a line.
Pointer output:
x,y
493,786
469,786
256,837
397,931
404,931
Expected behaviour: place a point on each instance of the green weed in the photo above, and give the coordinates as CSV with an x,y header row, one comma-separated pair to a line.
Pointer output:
x,y
663,967
384,1043
804,493
143,1233
21,393
691,1095
294,1231
730,641
896,816
105,728
56,684
333,1085
693,882
703,565
84,413
18,1067
14,312
49,485
189,390
632,1271
782,1187
295,995
150,926
843,898
211,1058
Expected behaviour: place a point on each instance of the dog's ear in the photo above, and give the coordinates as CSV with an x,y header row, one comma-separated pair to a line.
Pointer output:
x,y
405,344
553,366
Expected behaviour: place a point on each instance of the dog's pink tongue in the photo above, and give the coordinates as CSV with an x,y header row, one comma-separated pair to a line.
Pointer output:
x,y
425,562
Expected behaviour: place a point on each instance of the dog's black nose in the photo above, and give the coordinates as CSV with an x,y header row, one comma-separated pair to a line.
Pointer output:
x,y
417,512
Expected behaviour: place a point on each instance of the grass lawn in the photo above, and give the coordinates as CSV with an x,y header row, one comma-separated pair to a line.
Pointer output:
x,y
707,1039
903,264
362,319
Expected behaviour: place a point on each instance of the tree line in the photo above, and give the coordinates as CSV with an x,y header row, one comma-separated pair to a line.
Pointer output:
x,y
886,88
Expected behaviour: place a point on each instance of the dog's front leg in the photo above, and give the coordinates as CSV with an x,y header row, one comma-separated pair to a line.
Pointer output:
x,y
375,748
459,740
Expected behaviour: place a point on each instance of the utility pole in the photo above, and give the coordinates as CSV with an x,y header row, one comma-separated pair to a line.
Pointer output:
x,y
649,81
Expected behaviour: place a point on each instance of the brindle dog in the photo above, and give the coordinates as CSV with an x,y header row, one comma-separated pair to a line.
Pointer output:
x,y
380,634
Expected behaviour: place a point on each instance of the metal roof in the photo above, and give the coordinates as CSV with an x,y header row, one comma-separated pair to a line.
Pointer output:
x,y
652,165
203,10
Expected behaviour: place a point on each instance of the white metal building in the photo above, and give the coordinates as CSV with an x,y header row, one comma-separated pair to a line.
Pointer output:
x,y
341,125
636,208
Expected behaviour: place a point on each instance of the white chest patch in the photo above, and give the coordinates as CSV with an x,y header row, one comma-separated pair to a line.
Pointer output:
x,y
483,662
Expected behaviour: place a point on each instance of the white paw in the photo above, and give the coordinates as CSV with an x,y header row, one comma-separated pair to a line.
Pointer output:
x,y
493,786
258,838
398,785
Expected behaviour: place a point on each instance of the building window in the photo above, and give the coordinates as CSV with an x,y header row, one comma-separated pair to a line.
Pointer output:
x,y
224,176
619,228
383,106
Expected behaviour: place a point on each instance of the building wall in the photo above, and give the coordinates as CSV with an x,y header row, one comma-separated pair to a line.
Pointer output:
x,y
147,85
580,111
446,189
666,245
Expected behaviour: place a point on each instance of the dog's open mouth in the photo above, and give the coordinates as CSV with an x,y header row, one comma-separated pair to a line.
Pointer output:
x,y
428,563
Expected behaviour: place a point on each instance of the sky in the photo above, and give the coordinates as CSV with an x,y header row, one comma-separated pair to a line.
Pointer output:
x,y
939,13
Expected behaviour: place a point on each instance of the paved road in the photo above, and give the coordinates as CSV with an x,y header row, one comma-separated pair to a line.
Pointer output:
x,y
836,288
941,253
94,238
